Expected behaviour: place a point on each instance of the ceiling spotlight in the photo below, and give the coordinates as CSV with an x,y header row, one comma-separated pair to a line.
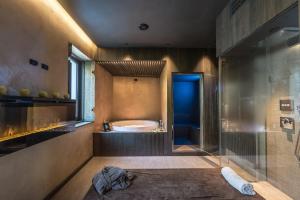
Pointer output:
x,y
143,26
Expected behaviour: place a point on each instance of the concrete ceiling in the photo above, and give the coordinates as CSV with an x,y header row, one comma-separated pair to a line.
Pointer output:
x,y
172,23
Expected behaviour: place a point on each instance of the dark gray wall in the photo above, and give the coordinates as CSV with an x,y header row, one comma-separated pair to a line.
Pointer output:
x,y
249,17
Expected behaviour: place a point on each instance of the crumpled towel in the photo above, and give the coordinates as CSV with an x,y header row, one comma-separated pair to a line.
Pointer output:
x,y
112,178
237,182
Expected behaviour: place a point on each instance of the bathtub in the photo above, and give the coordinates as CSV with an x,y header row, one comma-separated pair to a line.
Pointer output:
x,y
134,125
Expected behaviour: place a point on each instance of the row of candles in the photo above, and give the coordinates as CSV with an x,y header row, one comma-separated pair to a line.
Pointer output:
x,y
25,92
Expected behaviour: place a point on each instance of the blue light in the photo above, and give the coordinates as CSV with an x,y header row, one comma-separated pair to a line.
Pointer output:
x,y
186,98
186,77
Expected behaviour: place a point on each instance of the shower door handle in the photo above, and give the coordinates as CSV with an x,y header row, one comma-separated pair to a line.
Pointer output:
x,y
172,132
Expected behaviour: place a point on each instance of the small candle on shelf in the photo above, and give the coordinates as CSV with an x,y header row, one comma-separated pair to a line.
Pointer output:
x,y
24,92
3,90
66,96
56,95
43,94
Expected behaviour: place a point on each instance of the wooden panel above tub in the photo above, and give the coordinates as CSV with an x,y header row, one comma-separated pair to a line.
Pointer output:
x,y
134,68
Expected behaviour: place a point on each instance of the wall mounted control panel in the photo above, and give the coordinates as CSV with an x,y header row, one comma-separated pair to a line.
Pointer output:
x,y
286,105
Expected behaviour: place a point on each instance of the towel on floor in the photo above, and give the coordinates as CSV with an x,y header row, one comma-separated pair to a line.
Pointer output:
x,y
237,182
111,178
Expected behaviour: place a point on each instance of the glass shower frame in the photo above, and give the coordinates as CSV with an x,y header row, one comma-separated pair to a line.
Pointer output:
x,y
254,83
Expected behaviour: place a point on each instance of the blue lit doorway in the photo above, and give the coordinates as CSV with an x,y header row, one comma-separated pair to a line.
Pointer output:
x,y
187,92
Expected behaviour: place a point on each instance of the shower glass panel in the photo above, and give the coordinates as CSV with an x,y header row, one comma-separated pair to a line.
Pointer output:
x,y
283,111
260,110
245,90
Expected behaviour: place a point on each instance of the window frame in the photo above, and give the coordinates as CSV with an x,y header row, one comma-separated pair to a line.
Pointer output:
x,y
79,97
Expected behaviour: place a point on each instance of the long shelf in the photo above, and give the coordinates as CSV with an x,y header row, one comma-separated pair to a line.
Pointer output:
x,y
32,101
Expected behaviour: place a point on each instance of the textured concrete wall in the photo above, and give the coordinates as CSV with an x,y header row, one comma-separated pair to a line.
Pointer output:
x,y
164,96
119,98
136,99
283,169
34,172
37,29
40,29
103,96
252,15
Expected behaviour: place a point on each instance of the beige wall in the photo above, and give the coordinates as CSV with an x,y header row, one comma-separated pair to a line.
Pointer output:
x,y
41,30
136,99
37,29
103,96
120,98
34,172
164,97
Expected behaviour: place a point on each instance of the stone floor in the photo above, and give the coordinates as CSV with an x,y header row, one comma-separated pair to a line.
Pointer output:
x,y
78,186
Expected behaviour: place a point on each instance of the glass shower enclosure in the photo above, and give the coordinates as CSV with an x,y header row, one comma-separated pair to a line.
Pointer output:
x,y
260,106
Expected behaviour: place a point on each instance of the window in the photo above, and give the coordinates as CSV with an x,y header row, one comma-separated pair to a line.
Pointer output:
x,y
82,84
74,79
89,91
75,85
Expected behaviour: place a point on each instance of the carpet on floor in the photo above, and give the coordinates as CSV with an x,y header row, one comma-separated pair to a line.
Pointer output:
x,y
179,184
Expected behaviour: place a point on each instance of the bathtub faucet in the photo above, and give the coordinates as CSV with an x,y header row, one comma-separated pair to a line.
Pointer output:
x,y
161,125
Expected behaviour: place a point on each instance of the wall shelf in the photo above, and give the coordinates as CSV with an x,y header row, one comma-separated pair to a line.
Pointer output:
x,y
32,101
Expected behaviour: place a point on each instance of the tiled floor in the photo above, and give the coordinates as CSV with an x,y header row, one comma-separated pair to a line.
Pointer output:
x,y
185,148
78,186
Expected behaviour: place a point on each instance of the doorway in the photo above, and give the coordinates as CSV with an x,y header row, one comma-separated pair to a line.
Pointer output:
x,y
187,115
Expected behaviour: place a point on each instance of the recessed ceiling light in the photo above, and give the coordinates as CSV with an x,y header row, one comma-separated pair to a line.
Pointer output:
x,y
143,26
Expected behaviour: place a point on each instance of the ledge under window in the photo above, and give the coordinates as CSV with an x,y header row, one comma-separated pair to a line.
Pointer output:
x,y
82,123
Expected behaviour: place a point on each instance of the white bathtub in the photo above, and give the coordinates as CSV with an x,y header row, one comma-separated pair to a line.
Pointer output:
x,y
134,125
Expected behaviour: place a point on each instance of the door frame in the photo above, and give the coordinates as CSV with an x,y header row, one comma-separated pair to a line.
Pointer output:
x,y
201,99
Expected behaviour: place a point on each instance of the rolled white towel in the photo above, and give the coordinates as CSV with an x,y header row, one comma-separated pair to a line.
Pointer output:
x,y
237,182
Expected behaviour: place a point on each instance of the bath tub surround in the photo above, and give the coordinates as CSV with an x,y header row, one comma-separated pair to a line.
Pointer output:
x,y
131,138
129,143
135,126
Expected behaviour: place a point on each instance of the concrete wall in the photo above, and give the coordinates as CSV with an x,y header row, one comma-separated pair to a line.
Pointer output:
x,y
136,99
38,29
283,168
34,172
164,97
103,97
251,16
121,98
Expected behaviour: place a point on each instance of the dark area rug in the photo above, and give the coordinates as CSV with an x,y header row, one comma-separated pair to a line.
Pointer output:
x,y
175,184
